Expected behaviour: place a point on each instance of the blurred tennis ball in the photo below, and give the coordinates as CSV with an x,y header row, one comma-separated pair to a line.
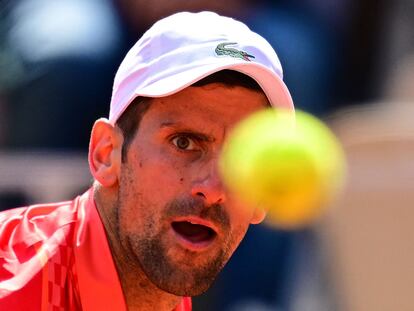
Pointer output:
x,y
293,166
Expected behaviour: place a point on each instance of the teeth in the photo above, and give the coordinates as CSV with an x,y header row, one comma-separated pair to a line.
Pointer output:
x,y
196,223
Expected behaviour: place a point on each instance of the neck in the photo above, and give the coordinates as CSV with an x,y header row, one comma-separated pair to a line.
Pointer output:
x,y
142,294
139,292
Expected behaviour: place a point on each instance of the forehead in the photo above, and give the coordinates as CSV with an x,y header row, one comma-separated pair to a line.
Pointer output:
x,y
214,104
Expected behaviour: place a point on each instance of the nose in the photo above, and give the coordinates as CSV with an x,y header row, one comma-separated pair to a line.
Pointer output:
x,y
208,185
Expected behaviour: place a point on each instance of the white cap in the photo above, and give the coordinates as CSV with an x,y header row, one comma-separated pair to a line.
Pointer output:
x,y
183,48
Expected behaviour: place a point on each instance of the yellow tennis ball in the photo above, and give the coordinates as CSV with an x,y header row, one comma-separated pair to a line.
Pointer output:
x,y
293,166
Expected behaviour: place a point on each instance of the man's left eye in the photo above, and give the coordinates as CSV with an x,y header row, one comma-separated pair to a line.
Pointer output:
x,y
183,143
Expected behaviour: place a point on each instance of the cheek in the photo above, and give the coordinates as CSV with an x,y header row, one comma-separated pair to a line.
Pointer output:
x,y
162,182
163,178
239,230
129,199
240,217
160,167
242,212
236,236
146,186
138,214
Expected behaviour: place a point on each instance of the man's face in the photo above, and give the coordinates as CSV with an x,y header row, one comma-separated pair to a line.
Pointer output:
x,y
176,219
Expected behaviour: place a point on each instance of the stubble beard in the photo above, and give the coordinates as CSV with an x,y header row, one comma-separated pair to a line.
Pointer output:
x,y
147,252
172,277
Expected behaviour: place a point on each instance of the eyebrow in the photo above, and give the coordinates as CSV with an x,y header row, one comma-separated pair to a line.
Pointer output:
x,y
186,130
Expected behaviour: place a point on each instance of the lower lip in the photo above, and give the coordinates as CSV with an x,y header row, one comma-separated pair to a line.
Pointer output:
x,y
193,246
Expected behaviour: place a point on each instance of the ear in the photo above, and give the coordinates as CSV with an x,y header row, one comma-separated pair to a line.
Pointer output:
x,y
258,216
105,149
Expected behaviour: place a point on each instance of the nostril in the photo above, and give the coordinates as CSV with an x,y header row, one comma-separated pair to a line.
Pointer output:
x,y
211,194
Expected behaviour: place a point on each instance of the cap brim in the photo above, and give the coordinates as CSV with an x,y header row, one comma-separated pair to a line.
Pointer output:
x,y
273,87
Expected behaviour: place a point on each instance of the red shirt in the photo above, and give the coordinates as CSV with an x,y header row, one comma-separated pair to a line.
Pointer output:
x,y
57,257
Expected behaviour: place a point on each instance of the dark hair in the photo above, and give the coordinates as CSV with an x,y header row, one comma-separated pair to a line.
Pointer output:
x,y
230,78
130,119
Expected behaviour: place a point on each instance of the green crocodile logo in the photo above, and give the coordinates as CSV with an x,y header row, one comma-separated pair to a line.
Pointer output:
x,y
222,49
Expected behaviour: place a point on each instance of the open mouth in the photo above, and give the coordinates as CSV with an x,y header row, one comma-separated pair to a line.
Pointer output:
x,y
193,233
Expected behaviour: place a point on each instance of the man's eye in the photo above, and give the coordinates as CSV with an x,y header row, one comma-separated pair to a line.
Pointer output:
x,y
183,143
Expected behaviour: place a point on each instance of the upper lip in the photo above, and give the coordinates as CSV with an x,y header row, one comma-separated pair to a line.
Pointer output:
x,y
198,221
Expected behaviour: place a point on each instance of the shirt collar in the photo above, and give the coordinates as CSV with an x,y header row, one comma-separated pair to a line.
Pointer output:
x,y
99,285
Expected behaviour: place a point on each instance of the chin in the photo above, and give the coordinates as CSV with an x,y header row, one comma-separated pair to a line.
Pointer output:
x,y
191,282
189,290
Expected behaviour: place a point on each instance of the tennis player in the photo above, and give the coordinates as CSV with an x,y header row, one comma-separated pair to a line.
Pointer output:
x,y
157,225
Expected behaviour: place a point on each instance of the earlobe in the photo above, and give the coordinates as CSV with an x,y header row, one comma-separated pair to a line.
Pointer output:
x,y
258,216
105,152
